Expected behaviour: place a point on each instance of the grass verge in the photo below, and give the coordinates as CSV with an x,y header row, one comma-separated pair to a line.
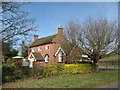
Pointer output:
x,y
110,58
91,80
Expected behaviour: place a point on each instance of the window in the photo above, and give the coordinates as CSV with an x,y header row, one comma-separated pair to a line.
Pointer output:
x,y
47,47
60,57
32,49
46,58
39,48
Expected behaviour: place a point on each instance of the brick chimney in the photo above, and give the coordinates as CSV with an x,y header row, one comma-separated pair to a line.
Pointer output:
x,y
35,37
60,29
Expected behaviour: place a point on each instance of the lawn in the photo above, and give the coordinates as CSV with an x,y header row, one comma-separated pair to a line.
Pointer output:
x,y
110,58
90,80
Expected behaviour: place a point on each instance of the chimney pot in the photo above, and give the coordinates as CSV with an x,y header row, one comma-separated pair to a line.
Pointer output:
x,y
60,29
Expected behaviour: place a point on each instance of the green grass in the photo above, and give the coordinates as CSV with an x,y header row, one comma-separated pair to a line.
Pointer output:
x,y
98,79
0,65
110,58
113,60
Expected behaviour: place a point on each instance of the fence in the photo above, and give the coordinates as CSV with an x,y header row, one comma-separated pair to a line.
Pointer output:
x,y
109,64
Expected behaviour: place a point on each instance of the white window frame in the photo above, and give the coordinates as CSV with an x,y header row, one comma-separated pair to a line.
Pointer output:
x,y
59,50
60,57
39,48
46,58
32,49
46,47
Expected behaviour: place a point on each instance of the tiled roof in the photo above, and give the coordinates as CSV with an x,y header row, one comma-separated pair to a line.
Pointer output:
x,y
43,41
38,56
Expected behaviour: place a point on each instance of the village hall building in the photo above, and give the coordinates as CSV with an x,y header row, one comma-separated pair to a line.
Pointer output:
x,y
47,49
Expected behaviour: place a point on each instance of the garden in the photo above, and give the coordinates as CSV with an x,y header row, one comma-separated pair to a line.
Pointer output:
x,y
13,72
56,76
91,80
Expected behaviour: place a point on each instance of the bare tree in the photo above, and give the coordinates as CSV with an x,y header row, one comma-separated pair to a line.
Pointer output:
x,y
15,22
95,37
71,33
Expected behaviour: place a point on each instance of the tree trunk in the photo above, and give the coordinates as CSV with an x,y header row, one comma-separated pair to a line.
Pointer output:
x,y
95,66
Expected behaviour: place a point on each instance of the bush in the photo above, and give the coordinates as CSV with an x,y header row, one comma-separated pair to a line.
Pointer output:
x,y
75,62
60,68
77,68
37,71
84,68
53,69
70,69
11,73
18,63
26,71
50,70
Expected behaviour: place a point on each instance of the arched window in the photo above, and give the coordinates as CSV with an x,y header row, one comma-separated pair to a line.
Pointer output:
x,y
46,58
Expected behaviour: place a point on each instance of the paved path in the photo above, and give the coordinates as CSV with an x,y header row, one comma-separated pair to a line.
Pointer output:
x,y
112,85
109,67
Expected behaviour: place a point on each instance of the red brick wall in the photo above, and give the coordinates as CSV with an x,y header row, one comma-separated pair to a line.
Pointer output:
x,y
53,48
50,52
42,63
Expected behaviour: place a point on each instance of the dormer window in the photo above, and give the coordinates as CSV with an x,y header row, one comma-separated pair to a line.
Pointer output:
x,y
39,48
47,47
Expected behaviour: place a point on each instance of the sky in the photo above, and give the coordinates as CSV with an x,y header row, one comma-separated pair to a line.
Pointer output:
x,y
49,15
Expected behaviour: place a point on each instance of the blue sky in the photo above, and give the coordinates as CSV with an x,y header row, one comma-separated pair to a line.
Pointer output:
x,y
49,15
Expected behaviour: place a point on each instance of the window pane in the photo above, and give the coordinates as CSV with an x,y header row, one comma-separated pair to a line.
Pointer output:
x,y
39,48
46,58
47,47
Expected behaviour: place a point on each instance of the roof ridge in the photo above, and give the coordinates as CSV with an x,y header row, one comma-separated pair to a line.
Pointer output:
x,y
46,36
43,40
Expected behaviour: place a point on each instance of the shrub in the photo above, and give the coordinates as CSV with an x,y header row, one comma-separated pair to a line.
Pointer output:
x,y
37,71
84,68
9,61
53,69
60,68
26,71
18,63
11,73
50,70
75,62
77,68
47,71
70,69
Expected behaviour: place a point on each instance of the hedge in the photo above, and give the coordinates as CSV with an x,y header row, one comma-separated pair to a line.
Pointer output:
x,y
77,68
58,69
50,70
11,73
47,71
